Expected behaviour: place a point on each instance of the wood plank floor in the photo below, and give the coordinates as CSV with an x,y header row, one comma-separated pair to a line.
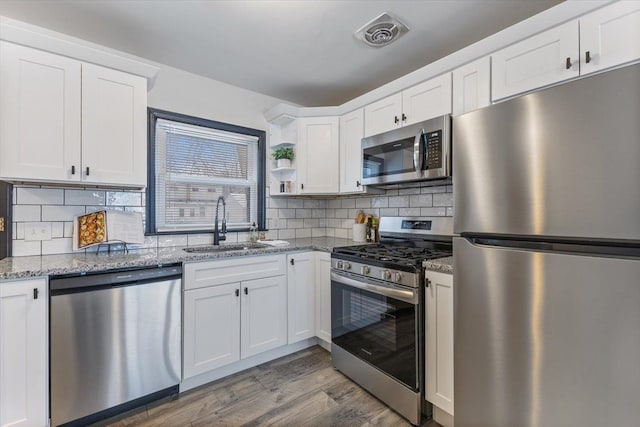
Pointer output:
x,y
301,389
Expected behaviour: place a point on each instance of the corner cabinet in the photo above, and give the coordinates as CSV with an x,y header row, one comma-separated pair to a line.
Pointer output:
x,y
318,155
301,296
351,134
65,121
24,356
439,340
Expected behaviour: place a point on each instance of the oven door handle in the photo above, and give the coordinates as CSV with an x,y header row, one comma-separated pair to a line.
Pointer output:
x,y
417,153
407,296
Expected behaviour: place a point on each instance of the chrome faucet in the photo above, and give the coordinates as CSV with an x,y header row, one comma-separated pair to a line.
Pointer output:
x,y
216,232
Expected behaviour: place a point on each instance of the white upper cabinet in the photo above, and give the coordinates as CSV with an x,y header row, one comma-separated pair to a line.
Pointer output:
x,y
421,102
541,60
610,36
384,115
427,100
114,131
24,357
472,86
39,115
351,134
318,155
62,120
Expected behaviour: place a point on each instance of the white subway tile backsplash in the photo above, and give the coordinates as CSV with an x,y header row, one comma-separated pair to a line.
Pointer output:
x,y
428,190
408,191
399,202
286,213
23,248
302,233
39,196
442,211
124,198
341,233
335,203
444,199
341,213
389,212
303,213
84,197
61,213
295,223
19,232
380,202
34,231
24,213
57,246
57,229
421,201
363,203
348,203
172,240
200,239
408,211
287,234
295,203
68,229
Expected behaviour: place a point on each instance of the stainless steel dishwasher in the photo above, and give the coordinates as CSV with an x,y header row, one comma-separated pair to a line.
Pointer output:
x,y
115,341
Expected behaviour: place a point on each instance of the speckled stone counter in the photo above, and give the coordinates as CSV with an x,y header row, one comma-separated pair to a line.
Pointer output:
x,y
443,265
35,266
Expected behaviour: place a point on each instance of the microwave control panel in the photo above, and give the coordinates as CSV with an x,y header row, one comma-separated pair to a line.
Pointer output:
x,y
433,150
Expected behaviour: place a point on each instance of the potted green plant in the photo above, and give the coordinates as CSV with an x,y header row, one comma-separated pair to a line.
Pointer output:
x,y
283,157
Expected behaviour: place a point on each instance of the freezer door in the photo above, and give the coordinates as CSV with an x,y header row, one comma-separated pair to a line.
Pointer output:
x,y
545,339
560,162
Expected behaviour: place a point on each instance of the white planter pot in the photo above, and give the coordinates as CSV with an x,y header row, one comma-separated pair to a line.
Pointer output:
x,y
283,163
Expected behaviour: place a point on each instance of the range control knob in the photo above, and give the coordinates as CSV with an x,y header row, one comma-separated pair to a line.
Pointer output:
x,y
339,264
386,275
346,265
366,269
397,277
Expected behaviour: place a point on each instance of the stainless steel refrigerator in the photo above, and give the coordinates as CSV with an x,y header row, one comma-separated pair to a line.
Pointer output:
x,y
547,268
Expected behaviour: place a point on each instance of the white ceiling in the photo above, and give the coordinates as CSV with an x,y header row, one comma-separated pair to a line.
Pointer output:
x,y
302,51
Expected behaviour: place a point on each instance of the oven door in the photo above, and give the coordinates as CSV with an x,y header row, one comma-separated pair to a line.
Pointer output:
x,y
377,324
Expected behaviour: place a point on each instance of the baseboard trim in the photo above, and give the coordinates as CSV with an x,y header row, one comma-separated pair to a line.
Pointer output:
x,y
216,374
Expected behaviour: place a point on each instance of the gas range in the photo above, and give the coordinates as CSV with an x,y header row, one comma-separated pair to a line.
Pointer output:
x,y
377,309
397,259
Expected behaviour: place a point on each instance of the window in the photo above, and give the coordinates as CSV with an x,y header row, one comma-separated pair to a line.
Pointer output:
x,y
192,162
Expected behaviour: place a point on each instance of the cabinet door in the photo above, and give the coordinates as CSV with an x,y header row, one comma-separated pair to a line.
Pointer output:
x,y
39,115
610,35
439,340
471,86
318,155
114,127
301,296
351,134
383,115
264,315
427,100
23,354
536,62
211,328
323,296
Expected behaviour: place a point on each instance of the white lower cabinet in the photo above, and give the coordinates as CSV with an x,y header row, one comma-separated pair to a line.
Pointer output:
x,y
263,315
230,312
211,328
23,354
323,296
439,340
301,296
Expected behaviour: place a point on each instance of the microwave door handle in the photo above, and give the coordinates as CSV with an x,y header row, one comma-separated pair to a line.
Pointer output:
x,y
417,153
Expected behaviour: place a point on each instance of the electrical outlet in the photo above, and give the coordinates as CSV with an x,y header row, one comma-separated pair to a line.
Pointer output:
x,y
1,223
35,231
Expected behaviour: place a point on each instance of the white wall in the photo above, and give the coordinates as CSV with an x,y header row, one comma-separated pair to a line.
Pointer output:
x,y
186,93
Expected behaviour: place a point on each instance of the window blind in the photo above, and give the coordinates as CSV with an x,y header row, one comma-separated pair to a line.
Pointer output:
x,y
194,166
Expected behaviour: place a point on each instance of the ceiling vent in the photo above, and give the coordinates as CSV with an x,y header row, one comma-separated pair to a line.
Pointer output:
x,y
381,30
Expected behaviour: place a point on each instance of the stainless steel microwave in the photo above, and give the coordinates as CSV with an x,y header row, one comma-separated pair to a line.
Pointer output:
x,y
412,153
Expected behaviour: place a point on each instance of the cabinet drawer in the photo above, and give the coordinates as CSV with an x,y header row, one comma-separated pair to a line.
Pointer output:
x,y
220,272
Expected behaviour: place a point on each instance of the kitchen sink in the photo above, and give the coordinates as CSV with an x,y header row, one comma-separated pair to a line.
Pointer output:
x,y
225,248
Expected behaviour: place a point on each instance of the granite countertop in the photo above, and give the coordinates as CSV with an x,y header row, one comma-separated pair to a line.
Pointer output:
x,y
442,265
45,265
